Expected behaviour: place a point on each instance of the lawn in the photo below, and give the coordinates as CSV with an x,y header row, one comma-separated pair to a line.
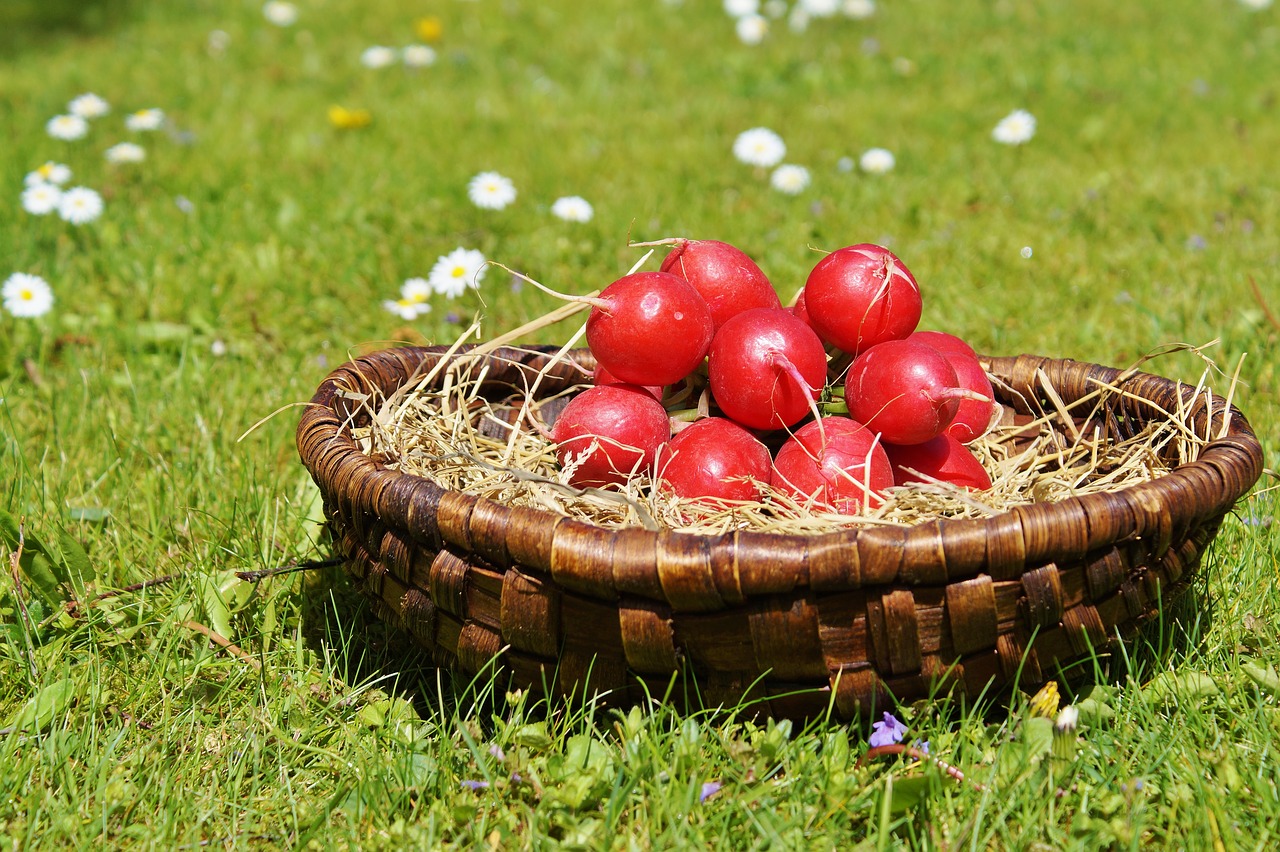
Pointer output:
x,y
147,417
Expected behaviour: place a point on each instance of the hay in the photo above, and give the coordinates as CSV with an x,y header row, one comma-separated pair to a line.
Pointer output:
x,y
443,428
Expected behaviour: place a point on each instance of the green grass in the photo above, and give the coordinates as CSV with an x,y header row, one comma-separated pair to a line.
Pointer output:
x,y
1148,196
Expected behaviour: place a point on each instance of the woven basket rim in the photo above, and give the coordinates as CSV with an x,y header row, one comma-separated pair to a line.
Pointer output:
x,y
607,563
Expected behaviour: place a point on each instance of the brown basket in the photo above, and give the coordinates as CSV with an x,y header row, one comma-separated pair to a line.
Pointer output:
x,y
800,622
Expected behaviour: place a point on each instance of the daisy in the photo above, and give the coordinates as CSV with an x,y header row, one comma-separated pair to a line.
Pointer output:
x,y
759,146
67,127
406,309
377,56
126,152
572,208
415,290
1015,128
51,172
491,191
457,270
741,8
145,119
1256,4
281,14
876,161
859,9
821,8
790,179
26,296
418,56
752,29
40,199
88,105
80,205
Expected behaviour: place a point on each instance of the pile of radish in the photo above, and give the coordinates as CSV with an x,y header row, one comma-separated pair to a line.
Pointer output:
x,y
707,384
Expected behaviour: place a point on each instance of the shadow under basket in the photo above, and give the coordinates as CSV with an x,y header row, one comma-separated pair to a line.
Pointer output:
x,y
801,623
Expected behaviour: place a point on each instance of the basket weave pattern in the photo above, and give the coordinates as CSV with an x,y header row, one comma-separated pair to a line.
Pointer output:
x,y
798,621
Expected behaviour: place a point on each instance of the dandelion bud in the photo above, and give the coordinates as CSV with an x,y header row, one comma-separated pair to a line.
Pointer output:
x,y
1064,733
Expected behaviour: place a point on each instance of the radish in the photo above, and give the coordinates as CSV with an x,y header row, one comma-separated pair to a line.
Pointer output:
x,y
649,328
766,368
835,461
943,458
861,295
947,344
601,376
801,310
727,278
906,391
973,415
714,458
609,431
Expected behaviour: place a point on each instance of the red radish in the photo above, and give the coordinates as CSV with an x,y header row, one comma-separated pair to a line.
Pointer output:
x,y
942,458
715,458
726,277
801,310
766,368
973,416
862,295
906,391
947,344
649,328
835,461
618,427
601,376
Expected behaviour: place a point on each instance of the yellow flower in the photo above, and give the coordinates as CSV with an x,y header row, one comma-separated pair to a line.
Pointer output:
x,y
1045,702
349,119
429,29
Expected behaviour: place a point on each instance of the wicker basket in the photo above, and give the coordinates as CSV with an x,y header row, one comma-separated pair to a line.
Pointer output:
x,y
800,622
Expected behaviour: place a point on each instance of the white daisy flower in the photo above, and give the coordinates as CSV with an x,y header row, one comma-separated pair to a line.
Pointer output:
x,y
821,8
218,348
418,56
88,105
790,179
26,296
51,172
1015,128
41,199
1026,252
491,191
774,8
126,152
80,205
67,127
145,119
741,8
280,13
406,309
752,28
457,270
415,290
572,208
1256,4
759,146
859,9
876,161
844,164
377,56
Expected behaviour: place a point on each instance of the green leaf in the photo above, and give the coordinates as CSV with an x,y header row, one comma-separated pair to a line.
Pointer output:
x,y
1094,705
216,610
159,333
45,706
89,514
1188,688
908,792
1266,678
40,571
533,735
76,560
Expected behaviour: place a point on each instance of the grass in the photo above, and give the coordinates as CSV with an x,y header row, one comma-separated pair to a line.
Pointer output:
x,y
1147,197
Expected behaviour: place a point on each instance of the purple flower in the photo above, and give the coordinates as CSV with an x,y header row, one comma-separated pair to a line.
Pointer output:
x,y
496,751
475,786
888,732
709,789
